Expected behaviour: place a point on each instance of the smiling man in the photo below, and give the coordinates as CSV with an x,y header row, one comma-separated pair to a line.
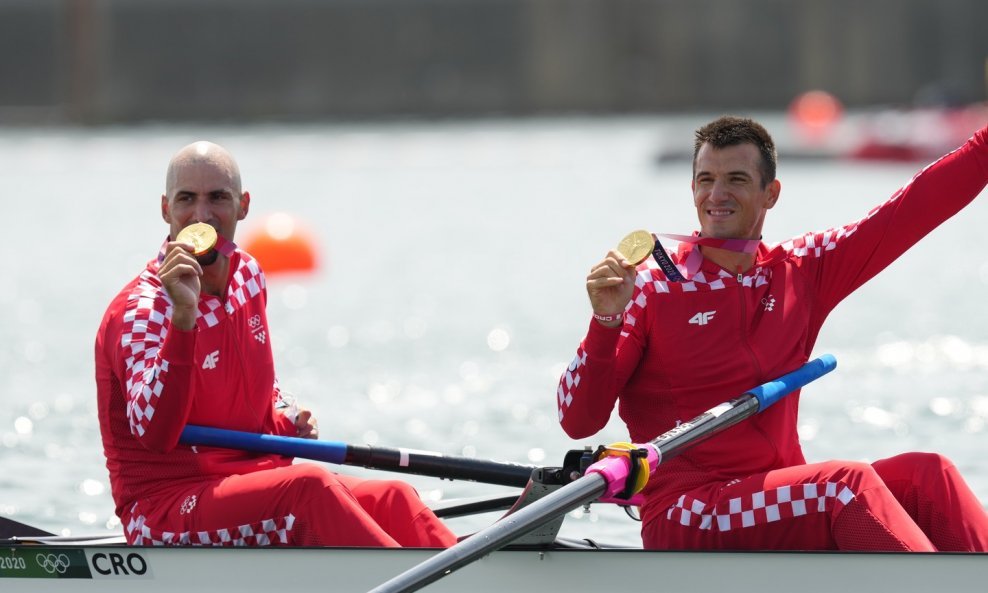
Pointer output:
x,y
671,338
186,342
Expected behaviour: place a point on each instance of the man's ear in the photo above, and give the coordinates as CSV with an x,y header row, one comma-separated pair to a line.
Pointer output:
x,y
165,212
244,205
774,189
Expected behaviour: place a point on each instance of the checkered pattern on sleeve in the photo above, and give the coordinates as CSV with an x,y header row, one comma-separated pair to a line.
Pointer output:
x,y
269,532
569,382
815,244
146,320
762,507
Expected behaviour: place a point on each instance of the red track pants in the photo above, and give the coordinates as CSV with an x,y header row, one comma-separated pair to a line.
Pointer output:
x,y
299,505
911,502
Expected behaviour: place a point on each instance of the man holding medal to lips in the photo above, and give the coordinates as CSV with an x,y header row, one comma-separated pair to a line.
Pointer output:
x,y
685,331
186,342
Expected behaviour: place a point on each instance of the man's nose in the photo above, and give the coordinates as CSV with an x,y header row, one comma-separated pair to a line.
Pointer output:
x,y
202,212
718,191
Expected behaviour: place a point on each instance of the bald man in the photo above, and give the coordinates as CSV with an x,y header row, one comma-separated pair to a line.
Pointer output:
x,y
187,342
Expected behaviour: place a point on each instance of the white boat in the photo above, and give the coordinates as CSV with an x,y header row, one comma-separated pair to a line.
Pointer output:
x,y
79,567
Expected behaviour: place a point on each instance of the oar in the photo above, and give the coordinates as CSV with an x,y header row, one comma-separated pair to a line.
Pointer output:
x,y
607,477
396,460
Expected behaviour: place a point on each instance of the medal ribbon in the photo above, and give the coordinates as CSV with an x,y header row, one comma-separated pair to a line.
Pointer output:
x,y
738,245
225,247
691,266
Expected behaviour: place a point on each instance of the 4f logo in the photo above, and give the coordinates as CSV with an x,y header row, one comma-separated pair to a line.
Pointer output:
x,y
702,318
211,360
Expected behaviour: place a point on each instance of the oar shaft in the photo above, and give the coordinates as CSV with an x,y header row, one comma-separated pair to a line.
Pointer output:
x,y
533,516
441,466
396,460
748,404
707,424
328,451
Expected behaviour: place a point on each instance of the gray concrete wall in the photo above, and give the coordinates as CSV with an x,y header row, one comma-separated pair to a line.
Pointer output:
x,y
100,61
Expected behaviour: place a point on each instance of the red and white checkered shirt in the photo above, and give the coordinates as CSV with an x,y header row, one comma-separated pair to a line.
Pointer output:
x,y
685,347
152,380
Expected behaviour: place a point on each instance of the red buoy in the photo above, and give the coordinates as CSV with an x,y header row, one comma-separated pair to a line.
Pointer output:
x,y
816,113
281,245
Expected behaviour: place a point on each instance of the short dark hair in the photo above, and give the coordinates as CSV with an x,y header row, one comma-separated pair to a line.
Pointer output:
x,y
731,131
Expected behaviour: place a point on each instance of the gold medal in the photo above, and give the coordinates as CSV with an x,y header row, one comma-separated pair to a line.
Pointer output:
x,y
637,246
200,235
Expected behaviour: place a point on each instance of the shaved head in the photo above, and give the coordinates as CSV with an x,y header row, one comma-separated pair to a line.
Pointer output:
x,y
203,185
199,154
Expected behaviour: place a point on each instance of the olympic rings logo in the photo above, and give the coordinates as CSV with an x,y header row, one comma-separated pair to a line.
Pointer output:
x,y
51,563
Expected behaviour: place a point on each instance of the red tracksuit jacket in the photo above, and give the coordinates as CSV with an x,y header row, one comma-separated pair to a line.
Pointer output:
x,y
151,381
686,347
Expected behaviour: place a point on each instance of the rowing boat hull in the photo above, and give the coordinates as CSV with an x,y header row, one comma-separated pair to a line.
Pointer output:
x,y
107,569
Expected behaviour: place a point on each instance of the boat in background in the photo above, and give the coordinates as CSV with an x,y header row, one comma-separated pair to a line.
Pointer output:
x,y
903,135
916,135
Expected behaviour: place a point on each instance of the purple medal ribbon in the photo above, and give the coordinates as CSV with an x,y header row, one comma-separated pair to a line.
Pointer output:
x,y
691,266
662,258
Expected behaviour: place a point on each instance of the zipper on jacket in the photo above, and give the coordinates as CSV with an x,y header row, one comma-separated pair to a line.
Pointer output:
x,y
242,357
744,322
754,359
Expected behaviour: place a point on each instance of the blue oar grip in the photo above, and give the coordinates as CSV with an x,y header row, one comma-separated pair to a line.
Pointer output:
x,y
771,392
328,451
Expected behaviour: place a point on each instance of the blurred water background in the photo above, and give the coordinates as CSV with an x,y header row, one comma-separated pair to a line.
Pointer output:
x,y
450,292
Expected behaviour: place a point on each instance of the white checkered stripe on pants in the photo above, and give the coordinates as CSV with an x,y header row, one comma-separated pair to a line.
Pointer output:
x,y
763,507
269,532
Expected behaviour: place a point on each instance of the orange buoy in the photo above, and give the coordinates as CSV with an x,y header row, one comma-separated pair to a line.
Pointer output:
x,y
281,245
816,112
